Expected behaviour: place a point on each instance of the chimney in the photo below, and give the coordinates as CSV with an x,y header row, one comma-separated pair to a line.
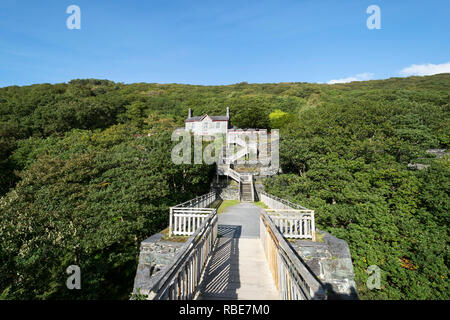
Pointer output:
x,y
228,112
190,113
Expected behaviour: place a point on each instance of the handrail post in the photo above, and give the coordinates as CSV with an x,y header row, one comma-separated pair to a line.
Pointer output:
x,y
252,186
239,190
170,222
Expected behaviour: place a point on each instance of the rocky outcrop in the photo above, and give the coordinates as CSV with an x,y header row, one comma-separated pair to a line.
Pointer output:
x,y
440,153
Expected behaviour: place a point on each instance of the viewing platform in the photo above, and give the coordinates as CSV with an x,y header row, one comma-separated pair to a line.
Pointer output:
x,y
248,252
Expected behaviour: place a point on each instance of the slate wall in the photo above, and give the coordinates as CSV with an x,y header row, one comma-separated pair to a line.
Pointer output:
x,y
330,260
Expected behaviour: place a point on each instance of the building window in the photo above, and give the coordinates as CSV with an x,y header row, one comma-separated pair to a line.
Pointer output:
x,y
218,125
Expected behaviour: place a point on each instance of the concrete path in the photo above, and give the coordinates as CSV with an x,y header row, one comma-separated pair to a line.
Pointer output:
x,y
238,268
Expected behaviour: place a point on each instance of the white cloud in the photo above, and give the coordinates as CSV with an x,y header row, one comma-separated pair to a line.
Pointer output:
x,y
358,77
427,69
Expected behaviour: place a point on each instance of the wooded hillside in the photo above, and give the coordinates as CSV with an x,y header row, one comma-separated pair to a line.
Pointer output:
x,y
79,186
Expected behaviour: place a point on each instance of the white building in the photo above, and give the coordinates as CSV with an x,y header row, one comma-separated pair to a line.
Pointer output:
x,y
208,125
240,145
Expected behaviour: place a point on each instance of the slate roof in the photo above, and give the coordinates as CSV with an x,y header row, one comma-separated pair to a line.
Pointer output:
x,y
219,118
198,118
213,118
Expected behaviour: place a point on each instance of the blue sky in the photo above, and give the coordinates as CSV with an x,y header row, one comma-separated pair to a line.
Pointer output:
x,y
221,42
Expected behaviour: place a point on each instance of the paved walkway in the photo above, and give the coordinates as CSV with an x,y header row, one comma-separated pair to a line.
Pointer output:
x,y
238,268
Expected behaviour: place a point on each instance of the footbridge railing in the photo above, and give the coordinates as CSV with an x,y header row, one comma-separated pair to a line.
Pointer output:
x,y
180,280
292,220
292,278
233,174
202,201
278,203
187,217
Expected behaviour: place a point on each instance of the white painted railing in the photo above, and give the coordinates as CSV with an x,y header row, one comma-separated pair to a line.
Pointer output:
x,y
187,217
239,154
240,178
185,221
253,187
297,224
233,174
292,220
202,201
180,280
247,177
277,203
292,278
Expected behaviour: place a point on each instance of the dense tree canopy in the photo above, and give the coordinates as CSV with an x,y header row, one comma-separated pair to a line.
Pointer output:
x,y
85,175
88,199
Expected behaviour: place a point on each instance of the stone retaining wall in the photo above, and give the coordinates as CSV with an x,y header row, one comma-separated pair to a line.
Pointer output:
x,y
330,260
155,254
226,191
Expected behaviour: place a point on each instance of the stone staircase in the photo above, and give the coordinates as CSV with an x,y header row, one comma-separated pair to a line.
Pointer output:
x,y
246,185
247,192
245,177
